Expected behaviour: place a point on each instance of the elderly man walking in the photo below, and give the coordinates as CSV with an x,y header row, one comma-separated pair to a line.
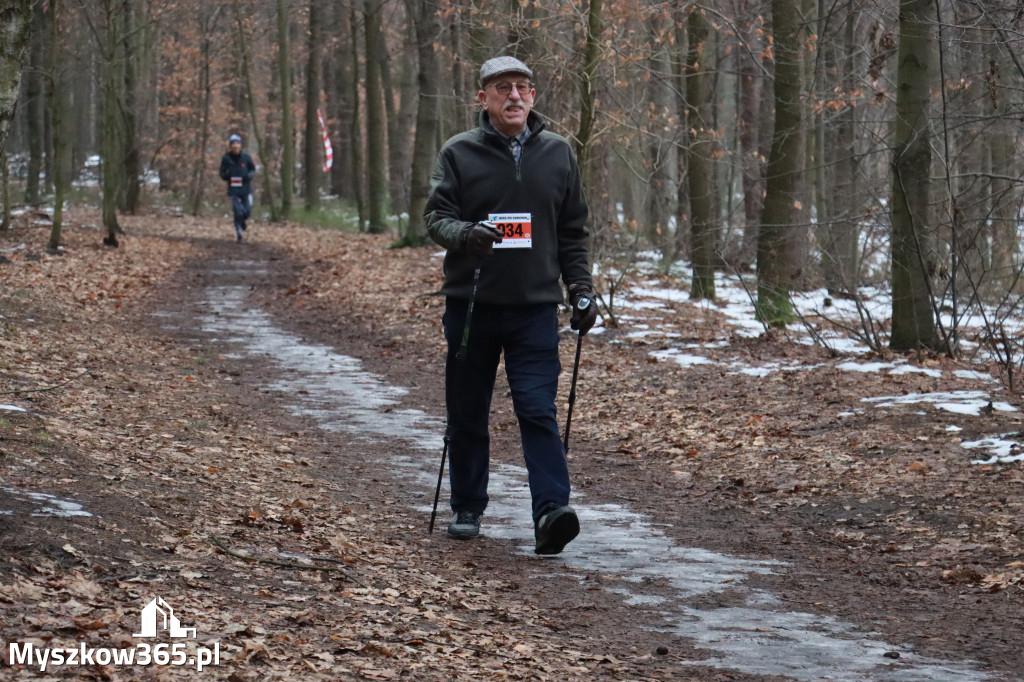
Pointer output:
x,y
506,201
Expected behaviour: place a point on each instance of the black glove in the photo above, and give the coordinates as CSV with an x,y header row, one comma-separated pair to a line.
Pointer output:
x,y
584,309
478,240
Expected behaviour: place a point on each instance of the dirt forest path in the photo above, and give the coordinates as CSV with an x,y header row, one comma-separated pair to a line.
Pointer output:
x,y
253,431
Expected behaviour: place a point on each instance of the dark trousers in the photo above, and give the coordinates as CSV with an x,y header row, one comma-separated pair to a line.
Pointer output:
x,y
242,211
528,335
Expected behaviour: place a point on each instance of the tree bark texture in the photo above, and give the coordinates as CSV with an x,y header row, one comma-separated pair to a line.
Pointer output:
x,y
35,107
776,269
311,162
702,151
428,113
376,127
913,239
284,75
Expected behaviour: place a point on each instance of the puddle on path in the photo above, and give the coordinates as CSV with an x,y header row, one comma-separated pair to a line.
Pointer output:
x,y
626,549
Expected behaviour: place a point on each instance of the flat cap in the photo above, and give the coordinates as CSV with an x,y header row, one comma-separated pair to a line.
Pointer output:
x,y
499,65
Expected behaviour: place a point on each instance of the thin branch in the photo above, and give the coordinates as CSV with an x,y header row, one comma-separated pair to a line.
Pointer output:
x,y
45,388
294,565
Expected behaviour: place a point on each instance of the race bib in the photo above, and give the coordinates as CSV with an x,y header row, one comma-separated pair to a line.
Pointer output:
x,y
236,182
516,229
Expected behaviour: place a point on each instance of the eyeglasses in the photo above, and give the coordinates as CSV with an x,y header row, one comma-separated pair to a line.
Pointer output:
x,y
504,88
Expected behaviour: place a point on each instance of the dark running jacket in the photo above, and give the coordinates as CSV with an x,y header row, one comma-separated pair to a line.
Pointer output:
x,y
242,169
475,175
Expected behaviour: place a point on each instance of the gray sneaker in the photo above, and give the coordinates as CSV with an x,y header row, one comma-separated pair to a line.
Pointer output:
x,y
465,525
556,529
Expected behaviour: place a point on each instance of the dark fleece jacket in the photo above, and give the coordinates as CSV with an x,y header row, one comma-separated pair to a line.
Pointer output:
x,y
475,175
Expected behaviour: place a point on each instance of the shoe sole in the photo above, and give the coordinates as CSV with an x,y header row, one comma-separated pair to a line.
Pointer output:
x,y
463,535
563,529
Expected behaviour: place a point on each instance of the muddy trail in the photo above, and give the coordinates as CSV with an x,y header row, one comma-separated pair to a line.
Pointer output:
x,y
342,416
641,576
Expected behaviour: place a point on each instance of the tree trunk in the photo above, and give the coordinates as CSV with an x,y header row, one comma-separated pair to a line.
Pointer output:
x,y
311,162
376,128
243,48
131,176
206,86
752,165
661,147
775,267
284,67
841,249
112,149
679,76
427,24
35,107
588,89
338,78
400,135
355,131
913,238
5,172
1005,197
702,152
58,101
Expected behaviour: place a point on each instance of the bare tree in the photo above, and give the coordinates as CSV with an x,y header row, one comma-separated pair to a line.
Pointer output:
x,y
314,72
376,127
776,268
702,152
424,15
913,240
284,75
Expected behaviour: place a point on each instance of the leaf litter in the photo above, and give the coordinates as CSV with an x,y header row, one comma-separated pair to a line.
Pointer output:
x,y
153,422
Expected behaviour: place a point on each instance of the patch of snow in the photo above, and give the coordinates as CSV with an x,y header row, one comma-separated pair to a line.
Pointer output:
x,y
953,429
643,333
972,374
1002,450
674,295
682,359
846,414
914,369
628,303
52,505
957,402
865,367
13,408
751,371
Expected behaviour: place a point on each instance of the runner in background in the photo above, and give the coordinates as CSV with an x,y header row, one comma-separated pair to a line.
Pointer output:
x,y
505,198
237,169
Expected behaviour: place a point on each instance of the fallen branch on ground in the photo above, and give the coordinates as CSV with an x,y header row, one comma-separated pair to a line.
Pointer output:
x,y
217,542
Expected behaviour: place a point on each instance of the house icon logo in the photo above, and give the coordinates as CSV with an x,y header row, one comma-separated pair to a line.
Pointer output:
x,y
158,615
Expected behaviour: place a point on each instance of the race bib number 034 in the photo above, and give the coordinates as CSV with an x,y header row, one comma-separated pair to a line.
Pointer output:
x,y
516,228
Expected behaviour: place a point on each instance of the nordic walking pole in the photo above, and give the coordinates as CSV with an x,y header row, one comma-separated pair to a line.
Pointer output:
x,y
460,356
583,304
572,390
440,475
